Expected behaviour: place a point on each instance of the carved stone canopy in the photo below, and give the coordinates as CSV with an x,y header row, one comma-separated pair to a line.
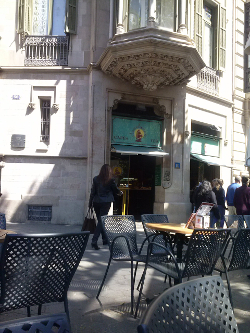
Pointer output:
x,y
151,58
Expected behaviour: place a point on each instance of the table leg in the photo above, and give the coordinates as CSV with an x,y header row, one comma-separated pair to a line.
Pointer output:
x,y
180,239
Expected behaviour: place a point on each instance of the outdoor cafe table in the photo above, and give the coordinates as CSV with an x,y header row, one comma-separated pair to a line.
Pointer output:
x,y
180,232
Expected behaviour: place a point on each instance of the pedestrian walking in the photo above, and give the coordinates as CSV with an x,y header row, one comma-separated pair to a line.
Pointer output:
x,y
242,198
230,195
102,194
220,198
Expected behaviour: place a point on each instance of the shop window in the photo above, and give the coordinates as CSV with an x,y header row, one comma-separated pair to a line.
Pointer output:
x,y
210,33
45,120
39,213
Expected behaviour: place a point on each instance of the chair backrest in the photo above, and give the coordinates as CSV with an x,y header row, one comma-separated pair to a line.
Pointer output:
x,y
200,305
2,221
120,225
241,251
152,218
38,269
155,218
204,249
235,221
247,220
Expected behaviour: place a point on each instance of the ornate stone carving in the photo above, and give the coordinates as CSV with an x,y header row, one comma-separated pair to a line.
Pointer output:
x,y
160,110
151,61
166,179
55,106
32,105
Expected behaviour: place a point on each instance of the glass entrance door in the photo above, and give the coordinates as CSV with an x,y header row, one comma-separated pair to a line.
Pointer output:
x,y
135,177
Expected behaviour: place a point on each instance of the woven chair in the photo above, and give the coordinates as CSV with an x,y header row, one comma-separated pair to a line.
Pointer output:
x,y
197,306
38,269
153,235
235,222
2,221
204,249
121,234
236,257
42,324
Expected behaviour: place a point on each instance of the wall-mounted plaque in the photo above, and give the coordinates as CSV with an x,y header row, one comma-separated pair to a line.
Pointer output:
x,y
18,141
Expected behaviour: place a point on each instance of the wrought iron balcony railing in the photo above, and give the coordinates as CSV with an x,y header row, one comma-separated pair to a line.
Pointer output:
x,y
208,81
46,51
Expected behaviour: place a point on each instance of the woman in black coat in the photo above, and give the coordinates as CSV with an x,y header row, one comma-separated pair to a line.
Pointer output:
x,y
204,193
102,194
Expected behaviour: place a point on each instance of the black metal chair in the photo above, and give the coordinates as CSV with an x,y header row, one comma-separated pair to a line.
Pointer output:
x,y
2,221
42,324
204,249
153,235
121,234
235,222
38,269
236,257
197,306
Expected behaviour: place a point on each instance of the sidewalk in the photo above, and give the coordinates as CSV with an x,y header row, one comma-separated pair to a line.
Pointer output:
x,y
112,312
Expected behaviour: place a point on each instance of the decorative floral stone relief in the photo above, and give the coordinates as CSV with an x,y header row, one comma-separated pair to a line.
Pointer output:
x,y
150,70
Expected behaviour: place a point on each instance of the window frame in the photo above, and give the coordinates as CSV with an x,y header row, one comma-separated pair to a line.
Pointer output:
x,y
125,20
48,113
25,19
71,15
31,209
219,38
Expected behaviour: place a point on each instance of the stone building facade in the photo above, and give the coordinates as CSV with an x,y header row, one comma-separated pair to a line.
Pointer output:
x,y
156,88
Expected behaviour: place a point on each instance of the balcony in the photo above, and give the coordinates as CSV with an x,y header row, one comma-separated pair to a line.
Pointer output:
x,y
208,81
46,51
151,58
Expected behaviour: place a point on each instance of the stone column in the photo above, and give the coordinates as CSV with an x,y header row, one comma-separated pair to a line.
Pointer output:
x,y
152,13
182,28
120,27
111,20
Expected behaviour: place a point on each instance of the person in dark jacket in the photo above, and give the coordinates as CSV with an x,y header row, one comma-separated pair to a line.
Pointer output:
x,y
102,194
204,193
242,198
220,198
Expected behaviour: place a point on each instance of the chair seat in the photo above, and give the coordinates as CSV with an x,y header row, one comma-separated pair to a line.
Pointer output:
x,y
137,257
167,268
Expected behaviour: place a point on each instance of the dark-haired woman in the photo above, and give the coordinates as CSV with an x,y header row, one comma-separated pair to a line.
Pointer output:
x,y
205,194
102,194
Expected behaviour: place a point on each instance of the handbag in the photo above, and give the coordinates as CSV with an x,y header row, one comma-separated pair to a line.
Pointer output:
x,y
89,223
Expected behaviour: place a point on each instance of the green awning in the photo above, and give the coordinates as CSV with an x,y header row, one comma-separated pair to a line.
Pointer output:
x,y
137,150
210,160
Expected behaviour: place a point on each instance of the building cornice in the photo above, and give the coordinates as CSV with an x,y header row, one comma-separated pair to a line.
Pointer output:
x,y
45,69
45,156
207,96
